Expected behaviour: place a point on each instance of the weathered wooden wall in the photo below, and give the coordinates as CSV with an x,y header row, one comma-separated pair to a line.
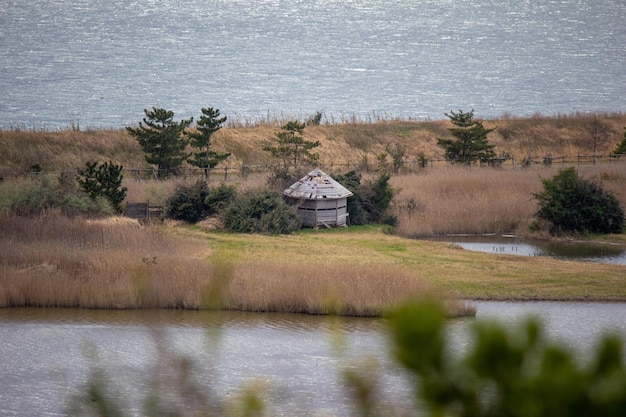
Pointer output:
x,y
324,212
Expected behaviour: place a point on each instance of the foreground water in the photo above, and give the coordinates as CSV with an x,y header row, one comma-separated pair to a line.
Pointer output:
x,y
98,64
46,355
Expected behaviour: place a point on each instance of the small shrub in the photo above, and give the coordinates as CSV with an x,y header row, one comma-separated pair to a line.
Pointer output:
x,y
352,181
376,196
281,178
188,202
220,197
371,199
261,211
47,192
572,204
621,148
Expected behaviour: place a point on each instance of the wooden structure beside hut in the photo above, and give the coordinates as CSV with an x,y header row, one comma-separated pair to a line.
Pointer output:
x,y
322,201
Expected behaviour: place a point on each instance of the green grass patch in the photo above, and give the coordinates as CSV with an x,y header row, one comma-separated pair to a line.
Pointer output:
x,y
446,267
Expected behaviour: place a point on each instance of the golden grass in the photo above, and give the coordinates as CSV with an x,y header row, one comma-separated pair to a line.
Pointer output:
x,y
344,145
482,200
318,288
60,262
53,261
67,150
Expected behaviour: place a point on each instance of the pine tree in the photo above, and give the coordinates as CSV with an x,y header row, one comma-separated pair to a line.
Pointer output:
x,y
470,143
292,149
103,181
209,123
161,138
573,204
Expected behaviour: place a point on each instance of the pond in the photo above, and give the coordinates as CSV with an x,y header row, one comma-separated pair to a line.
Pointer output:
x,y
47,354
572,250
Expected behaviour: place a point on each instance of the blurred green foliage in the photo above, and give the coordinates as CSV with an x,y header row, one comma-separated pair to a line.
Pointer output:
x,y
516,372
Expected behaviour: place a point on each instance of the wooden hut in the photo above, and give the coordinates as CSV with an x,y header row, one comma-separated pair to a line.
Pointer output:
x,y
322,201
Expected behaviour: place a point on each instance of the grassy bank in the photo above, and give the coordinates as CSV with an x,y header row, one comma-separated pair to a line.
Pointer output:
x,y
352,143
57,262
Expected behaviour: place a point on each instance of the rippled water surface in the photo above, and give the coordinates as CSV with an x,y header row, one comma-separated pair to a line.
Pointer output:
x,y
100,63
46,355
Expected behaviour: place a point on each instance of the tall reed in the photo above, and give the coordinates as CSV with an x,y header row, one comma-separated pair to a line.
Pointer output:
x,y
60,262
318,288
54,261
481,200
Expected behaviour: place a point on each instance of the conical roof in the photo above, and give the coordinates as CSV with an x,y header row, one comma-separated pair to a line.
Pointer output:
x,y
317,185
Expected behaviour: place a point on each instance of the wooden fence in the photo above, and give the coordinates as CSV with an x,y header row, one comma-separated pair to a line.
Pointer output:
x,y
233,172
143,211
227,172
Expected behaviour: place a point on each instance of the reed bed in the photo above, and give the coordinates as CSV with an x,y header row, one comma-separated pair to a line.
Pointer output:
x,y
55,261
481,200
320,288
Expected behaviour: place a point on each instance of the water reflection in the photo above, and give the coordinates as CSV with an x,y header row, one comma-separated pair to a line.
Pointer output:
x,y
580,251
46,354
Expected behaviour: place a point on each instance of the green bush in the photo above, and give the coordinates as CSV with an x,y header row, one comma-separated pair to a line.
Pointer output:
x,y
192,203
376,196
220,197
621,147
35,196
371,199
188,202
261,211
573,204
103,181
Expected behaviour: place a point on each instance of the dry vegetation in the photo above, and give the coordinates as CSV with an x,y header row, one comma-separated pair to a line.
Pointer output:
x,y
435,200
353,143
459,200
117,263
53,261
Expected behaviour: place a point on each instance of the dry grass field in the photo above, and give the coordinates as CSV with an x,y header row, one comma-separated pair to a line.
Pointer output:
x,y
438,199
117,263
475,201
343,145
53,261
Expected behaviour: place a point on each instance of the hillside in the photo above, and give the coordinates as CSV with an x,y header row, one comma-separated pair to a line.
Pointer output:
x,y
345,143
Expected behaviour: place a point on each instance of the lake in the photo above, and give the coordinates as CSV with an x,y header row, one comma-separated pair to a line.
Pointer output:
x,y
46,354
99,64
